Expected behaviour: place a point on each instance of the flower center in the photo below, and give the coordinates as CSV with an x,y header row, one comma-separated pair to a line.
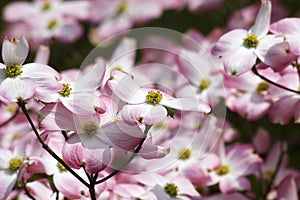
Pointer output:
x,y
90,128
122,8
61,167
13,71
15,164
222,170
46,6
66,91
251,41
204,84
154,97
171,189
184,154
263,86
52,24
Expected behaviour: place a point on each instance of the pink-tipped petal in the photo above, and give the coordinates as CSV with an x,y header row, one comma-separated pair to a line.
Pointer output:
x,y
230,184
15,89
121,135
56,117
150,151
239,61
144,113
229,42
186,104
14,51
262,22
287,190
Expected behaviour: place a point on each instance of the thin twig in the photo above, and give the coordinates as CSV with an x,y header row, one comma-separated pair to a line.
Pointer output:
x,y
21,104
138,148
254,70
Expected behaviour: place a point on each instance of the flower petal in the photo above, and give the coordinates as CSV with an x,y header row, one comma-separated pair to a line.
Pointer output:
x,y
239,61
262,22
229,42
14,51
144,113
15,89
121,135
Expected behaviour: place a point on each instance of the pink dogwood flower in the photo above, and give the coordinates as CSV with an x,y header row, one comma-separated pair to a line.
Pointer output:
x,y
117,16
149,106
20,81
237,163
240,48
92,133
288,28
286,105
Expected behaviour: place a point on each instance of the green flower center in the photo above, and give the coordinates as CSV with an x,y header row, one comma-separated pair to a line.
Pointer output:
x,y
66,91
52,24
154,97
263,86
61,167
184,154
222,170
251,41
13,71
270,173
90,128
15,164
204,84
46,6
171,189
122,8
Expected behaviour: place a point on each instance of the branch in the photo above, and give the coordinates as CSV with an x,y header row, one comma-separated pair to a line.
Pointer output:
x,y
254,70
21,104
138,148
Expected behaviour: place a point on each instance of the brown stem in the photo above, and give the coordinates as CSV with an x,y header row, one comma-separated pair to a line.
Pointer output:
x,y
254,70
21,104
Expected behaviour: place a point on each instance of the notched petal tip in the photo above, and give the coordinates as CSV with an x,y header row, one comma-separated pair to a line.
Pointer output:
x,y
15,50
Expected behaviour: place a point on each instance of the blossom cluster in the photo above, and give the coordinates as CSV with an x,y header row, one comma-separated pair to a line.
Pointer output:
x,y
150,126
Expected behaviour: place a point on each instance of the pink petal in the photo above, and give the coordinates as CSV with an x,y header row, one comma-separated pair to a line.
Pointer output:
x,y
230,184
80,103
239,61
262,22
282,111
125,88
289,28
42,55
14,52
274,52
56,117
15,89
287,190
144,113
76,156
68,185
150,151
121,135
229,42
261,140
124,55
7,183
90,81
16,11
186,104
191,65
69,32
286,26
